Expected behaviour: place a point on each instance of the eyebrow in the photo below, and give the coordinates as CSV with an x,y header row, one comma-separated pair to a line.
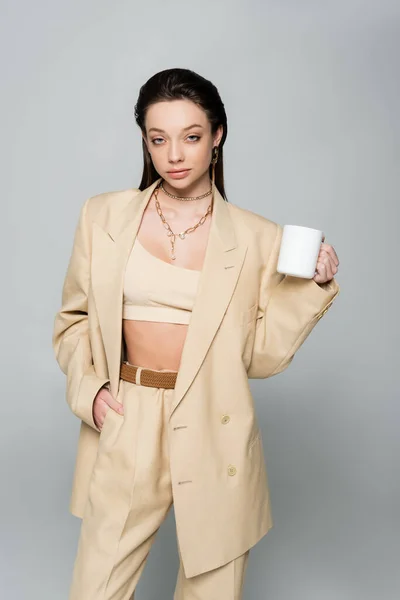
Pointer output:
x,y
184,129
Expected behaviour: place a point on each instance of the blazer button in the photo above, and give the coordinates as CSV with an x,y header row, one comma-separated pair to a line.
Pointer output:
x,y
225,419
231,470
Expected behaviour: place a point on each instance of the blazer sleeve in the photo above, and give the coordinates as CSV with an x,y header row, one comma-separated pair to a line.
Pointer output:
x,y
289,309
70,340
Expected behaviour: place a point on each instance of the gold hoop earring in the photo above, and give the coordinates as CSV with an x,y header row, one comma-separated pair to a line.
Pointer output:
x,y
215,153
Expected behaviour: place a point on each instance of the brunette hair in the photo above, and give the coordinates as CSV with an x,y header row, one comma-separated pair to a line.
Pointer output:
x,y
178,84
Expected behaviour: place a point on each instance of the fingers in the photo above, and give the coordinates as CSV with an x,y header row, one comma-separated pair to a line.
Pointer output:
x,y
110,400
328,257
327,264
331,252
104,402
324,271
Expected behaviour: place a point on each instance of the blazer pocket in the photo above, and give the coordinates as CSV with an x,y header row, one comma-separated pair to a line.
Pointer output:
x,y
106,418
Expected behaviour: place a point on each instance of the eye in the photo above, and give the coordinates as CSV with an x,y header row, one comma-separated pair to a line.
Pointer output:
x,y
194,136
154,141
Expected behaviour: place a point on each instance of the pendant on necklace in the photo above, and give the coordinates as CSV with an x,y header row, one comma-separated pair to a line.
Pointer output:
x,y
173,246
182,235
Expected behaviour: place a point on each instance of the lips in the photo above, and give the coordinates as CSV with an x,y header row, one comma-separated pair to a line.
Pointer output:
x,y
179,171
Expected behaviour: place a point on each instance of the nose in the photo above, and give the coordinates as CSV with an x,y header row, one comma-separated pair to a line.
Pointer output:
x,y
175,152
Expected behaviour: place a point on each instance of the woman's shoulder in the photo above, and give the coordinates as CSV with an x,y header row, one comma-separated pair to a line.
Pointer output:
x,y
103,208
252,221
109,201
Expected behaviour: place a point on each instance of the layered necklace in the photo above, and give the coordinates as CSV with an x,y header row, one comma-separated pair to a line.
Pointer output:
x,y
182,234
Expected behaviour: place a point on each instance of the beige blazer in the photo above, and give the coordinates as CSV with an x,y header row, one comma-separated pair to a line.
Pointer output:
x,y
248,321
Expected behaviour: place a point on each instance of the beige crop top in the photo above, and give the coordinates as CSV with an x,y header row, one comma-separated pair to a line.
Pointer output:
x,y
155,290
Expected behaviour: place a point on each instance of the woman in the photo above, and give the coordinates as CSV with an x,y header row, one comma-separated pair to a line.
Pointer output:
x,y
171,302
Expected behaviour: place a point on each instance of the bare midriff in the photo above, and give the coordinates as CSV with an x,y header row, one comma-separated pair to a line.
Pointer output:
x,y
154,345
159,345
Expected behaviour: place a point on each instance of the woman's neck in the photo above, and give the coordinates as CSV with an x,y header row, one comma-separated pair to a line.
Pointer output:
x,y
186,207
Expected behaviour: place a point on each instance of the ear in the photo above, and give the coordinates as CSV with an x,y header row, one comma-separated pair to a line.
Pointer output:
x,y
218,135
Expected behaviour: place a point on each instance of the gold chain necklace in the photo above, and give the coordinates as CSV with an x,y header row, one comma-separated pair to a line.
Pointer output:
x,y
170,233
185,197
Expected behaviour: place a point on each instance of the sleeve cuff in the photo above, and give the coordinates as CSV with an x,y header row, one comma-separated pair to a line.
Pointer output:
x,y
88,389
321,296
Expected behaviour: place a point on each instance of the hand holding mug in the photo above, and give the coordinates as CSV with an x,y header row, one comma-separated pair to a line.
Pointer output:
x,y
327,263
303,253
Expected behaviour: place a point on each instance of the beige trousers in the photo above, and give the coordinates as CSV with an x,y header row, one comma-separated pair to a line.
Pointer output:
x,y
129,497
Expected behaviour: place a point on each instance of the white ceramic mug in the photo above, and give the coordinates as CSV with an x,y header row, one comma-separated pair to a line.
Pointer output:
x,y
299,251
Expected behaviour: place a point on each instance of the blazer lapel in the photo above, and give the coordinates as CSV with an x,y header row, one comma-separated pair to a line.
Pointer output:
x,y
222,263
110,253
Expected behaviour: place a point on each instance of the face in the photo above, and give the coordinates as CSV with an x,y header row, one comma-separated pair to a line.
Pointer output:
x,y
178,137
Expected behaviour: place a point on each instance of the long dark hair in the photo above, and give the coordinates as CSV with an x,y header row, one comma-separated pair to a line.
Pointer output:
x,y
178,84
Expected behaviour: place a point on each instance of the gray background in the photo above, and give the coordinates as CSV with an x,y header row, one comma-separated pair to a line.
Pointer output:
x,y
312,92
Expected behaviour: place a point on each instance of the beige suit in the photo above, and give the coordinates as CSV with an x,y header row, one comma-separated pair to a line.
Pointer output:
x,y
248,321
